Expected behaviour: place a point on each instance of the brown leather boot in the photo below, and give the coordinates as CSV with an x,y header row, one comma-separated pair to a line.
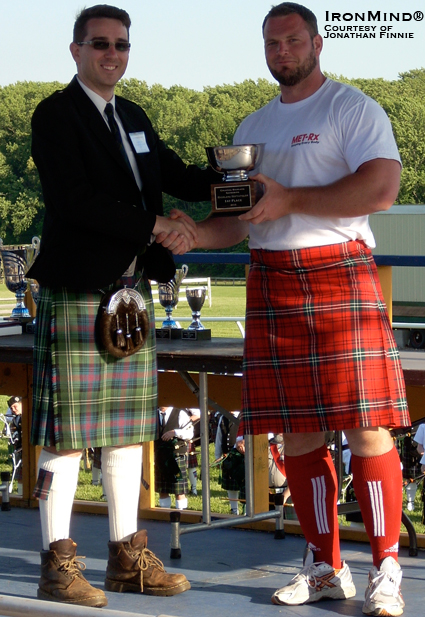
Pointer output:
x,y
61,579
132,567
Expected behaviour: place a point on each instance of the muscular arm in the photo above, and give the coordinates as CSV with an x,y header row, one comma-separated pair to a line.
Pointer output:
x,y
221,232
373,187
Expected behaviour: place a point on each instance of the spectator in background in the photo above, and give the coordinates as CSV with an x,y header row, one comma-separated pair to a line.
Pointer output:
x,y
277,472
419,438
14,431
171,457
192,460
231,450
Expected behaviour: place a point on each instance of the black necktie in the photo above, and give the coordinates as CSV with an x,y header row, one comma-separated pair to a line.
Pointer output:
x,y
109,111
162,422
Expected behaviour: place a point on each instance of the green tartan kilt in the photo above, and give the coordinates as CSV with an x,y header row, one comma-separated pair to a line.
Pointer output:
x,y
232,472
83,397
171,479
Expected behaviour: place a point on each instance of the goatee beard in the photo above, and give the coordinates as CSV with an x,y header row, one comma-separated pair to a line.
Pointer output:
x,y
294,77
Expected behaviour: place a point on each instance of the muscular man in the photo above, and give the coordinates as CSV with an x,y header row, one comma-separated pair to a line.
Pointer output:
x,y
103,170
319,350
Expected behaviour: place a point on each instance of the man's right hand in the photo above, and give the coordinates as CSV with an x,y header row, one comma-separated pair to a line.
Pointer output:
x,y
177,233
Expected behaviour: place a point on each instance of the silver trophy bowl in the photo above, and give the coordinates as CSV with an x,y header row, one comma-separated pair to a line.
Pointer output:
x,y
196,298
17,260
235,161
168,294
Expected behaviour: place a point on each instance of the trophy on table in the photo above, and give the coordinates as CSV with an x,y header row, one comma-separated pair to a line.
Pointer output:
x,y
17,260
168,294
196,297
237,193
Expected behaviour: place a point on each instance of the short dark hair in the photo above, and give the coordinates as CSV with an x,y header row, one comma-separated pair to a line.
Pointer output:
x,y
288,8
96,12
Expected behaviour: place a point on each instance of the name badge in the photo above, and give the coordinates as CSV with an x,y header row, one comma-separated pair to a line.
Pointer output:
x,y
139,142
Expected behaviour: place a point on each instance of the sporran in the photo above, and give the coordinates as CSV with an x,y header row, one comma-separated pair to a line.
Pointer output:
x,y
122,322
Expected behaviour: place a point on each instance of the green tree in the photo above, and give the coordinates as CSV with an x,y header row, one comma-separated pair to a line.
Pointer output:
x,y
21,204
188,121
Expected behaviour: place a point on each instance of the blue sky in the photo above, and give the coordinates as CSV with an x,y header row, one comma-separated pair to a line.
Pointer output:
x,y
196,43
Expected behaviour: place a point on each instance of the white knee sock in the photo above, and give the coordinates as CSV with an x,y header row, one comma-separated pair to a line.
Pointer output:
x,y
96,477
193,476
121,477
165,502
233,495
181,504
55,511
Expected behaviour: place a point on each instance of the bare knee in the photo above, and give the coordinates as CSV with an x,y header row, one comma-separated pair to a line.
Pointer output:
x,y
369,441
297,444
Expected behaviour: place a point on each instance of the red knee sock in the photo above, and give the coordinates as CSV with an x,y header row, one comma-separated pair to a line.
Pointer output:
x,y
313,484
377,483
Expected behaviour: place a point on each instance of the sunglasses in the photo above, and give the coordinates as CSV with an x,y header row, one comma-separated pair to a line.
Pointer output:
x,y
104,45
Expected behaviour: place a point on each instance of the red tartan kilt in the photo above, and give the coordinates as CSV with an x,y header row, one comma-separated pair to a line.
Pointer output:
x,y
319,350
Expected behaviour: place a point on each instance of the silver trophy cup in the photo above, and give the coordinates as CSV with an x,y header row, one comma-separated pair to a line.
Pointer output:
x,y
168,294
17,260
235,161
196,298
238,193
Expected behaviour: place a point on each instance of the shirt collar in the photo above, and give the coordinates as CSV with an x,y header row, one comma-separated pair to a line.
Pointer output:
x,y
96,98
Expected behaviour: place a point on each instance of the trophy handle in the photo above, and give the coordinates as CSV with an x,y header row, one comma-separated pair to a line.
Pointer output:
x,y
185,270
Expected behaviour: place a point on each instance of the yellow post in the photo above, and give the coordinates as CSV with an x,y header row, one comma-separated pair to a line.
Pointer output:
x,y
147,490
29,303
261,473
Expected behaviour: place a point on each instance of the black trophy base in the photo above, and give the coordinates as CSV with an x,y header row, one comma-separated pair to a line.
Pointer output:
x,y
196,335
169,333
233,198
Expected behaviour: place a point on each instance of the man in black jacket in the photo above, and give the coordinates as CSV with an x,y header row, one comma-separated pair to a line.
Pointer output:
x,y
103,170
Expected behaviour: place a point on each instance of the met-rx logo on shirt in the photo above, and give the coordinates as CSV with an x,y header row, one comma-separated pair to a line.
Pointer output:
x,y
305,139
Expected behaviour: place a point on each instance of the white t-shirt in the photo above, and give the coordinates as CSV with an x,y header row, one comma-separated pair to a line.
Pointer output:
x,y
316,142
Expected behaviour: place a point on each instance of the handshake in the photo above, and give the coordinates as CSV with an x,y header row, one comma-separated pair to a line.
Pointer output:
x,y
177,232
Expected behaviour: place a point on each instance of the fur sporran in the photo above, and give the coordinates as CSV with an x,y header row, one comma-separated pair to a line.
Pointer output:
x,y
122,322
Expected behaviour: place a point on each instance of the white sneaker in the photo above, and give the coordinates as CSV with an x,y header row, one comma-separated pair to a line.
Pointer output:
x,y
383,595
315,582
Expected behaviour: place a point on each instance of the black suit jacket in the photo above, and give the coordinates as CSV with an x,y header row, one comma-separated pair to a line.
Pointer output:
x,y
95,222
